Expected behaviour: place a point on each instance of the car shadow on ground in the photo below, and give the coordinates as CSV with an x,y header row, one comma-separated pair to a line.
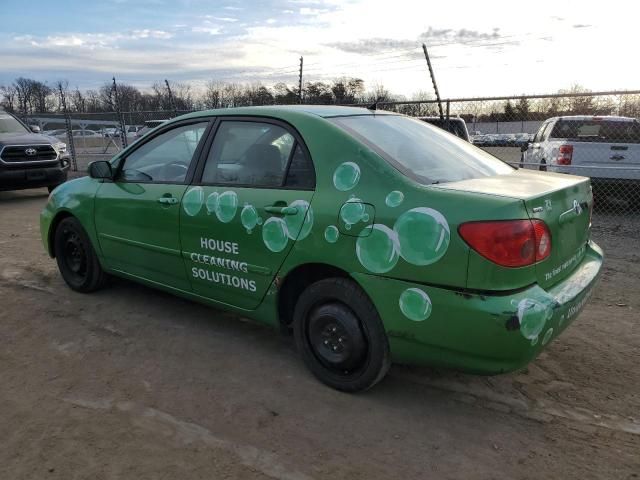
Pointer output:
x,y
15,196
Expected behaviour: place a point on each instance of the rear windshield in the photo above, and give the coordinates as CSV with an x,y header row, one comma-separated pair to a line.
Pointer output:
x,y
421,151
597,131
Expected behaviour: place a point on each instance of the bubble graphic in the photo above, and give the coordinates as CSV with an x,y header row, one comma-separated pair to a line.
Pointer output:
x,y
346,176
299,225
352,211
249,217
227,206
423,235
534,342
415,304
331,234
192,201
394,198
275,234
547,336
377,250
212,203
532,316
365,217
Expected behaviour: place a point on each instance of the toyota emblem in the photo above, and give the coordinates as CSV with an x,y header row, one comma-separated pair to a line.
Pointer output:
x,y
30,152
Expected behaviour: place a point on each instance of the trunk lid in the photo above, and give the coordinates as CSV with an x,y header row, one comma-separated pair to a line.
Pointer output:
x,y
563,202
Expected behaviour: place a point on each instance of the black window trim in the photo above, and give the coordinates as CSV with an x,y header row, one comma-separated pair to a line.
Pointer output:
x,y
121,160
197,178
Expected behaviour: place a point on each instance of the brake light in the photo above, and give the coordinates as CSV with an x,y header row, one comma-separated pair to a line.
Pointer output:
x,y
509,243
565,154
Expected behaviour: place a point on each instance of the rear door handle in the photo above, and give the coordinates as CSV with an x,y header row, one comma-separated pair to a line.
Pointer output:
x,y
281,210
168,200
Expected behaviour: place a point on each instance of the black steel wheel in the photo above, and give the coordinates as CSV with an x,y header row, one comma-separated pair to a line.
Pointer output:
x,y
340,336
77,260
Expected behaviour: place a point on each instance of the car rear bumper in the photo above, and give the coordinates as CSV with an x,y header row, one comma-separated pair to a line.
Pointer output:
x,y
482,333
20,178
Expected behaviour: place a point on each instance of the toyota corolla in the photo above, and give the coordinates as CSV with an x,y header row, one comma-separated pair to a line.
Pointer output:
x,y
373,236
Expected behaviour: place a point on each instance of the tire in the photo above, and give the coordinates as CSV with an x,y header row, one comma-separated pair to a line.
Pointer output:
x,y
340,335
76,258
543,165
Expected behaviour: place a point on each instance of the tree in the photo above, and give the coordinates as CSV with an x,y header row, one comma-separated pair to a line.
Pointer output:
x,y
509,111
347,89
522,107
9,97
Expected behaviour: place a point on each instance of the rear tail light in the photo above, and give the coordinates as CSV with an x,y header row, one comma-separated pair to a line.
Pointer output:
x,y
565,154
509,243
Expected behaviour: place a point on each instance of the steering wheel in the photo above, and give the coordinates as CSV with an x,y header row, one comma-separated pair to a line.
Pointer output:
x,y
174,171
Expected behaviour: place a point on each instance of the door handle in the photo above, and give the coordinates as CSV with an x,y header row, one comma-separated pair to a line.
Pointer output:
x,y
281,210
168,200
617,157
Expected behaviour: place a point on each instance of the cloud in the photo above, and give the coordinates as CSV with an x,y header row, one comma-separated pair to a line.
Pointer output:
x,y
209,30
432,36
581,25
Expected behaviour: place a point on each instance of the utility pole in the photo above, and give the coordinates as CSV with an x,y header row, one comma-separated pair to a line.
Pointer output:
x,y
171,99
300,82
433,80
123,129
67,124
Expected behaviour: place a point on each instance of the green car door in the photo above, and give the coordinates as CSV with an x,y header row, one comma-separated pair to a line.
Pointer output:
x,y
248,205
137,214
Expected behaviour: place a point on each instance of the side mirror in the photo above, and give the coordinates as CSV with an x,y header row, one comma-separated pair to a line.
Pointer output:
x,y
100,169
35,128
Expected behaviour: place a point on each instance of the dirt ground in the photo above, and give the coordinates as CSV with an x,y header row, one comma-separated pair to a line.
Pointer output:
x,y
131,383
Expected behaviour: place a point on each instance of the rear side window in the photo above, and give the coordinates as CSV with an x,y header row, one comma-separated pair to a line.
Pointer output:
x,y
301,174
609,131
421,151
250,154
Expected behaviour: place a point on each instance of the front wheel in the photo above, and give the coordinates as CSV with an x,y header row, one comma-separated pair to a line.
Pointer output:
x,y
76,258
340,335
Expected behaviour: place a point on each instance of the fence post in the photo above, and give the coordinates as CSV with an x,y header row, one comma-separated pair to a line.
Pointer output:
x,y
123,132
300,82
67,125
172,101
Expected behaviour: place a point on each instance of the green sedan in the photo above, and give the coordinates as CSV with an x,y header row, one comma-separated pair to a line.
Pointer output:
x,y
373,236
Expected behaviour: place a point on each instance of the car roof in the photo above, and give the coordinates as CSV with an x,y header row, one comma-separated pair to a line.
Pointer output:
x,y
324,111
611,118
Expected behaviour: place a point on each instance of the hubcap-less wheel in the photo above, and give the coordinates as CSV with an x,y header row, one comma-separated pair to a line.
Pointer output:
x,y
75,257
336,338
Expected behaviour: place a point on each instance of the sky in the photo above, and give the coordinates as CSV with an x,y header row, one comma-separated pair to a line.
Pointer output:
x,y
477,48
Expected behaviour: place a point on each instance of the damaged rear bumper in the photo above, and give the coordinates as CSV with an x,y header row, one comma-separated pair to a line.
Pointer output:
x,y
482,333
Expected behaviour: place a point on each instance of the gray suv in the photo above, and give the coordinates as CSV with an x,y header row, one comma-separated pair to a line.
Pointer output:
x,y
29,159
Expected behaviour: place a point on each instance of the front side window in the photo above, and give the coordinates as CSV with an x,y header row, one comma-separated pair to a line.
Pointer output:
x,y
249,153
421,151
166,158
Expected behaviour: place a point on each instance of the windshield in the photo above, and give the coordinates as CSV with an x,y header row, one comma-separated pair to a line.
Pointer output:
x,y
8,124
420,151
610,131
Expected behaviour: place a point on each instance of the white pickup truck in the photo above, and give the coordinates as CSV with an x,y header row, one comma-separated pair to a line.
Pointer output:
x,y
605,148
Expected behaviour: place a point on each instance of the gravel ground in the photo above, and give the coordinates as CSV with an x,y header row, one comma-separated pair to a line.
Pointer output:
x,y
136,384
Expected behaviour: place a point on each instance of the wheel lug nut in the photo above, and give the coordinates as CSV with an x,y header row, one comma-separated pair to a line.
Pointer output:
x,y
333,329
335,348
326,342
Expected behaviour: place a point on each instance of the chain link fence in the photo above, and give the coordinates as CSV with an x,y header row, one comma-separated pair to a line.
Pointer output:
x,y
590,134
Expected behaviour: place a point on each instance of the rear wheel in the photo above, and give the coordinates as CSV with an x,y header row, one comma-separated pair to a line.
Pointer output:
x,y
340,336
77,260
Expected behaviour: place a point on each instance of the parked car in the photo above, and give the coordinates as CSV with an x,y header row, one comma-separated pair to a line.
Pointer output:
x,y
29,159
374,236
454,125
605,148
148,126
84,133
